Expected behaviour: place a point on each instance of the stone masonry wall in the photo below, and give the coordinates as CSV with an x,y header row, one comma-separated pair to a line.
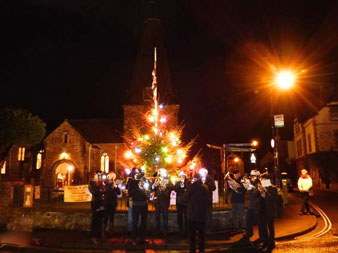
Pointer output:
x,y
76,149
20,219
6,193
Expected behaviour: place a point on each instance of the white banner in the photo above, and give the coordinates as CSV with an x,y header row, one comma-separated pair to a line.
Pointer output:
x,y
215,196
77,193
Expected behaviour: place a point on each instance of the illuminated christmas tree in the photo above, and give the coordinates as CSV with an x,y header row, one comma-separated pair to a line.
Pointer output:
x,y
155,146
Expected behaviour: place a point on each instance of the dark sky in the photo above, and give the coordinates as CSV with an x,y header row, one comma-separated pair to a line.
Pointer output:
x,y
74,59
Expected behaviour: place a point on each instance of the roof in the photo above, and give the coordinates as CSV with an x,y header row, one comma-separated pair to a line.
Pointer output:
x,y
99,130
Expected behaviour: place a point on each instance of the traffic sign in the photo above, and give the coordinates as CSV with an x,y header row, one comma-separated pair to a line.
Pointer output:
x,y
279,120
236,149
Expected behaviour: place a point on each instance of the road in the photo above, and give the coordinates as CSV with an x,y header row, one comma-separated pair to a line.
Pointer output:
x,y
325,237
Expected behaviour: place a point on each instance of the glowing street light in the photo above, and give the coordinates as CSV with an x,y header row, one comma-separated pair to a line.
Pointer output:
x,y
285,79
254,143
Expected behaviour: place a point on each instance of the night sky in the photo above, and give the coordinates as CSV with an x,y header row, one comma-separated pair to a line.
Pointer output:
x,y
74,59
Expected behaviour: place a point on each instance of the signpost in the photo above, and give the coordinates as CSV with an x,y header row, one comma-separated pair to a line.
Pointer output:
x,y
236,149
279,120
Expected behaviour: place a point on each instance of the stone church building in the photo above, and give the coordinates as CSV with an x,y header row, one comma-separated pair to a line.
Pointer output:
x,y
78,147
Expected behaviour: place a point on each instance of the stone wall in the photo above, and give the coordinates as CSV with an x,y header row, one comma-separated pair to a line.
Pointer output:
x,y
20,219
6,193
75,148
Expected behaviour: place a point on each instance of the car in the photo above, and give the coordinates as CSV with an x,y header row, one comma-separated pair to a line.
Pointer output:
x,y
285,176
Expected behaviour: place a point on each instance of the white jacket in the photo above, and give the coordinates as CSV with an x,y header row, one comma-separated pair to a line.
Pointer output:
x,y
304,184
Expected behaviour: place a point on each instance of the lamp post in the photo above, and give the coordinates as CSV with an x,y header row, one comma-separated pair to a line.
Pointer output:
x,y
284,80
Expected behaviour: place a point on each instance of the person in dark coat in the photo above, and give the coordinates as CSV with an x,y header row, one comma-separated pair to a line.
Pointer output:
x,y
196,198
210,182
110,202
97,209
162,188
266,213
252,211
180,188
129,203
140,206
237,192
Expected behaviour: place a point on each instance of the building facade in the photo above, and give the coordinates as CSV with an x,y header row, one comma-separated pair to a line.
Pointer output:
x,y
316,135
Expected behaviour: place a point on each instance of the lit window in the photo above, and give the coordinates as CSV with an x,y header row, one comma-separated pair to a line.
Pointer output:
x,y
21,154
105,163
3,168
38,160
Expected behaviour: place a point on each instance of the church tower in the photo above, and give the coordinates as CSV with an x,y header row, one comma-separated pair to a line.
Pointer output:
x,y
139,93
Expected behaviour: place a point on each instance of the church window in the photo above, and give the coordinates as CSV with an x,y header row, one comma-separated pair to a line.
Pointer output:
x,y
65,137
21,154
105,163
38,160
3,168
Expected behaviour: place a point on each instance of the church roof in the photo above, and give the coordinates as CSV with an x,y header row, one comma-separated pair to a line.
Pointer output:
x,y
99,130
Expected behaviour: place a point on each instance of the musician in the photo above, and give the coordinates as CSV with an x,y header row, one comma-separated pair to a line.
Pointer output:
x,y
196,198
237,192
97,209
252,211
180,188
139,205
162,188
210,182
110,202
266,212
129,175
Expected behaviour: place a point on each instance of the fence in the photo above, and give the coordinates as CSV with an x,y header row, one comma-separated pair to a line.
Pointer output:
x,y
52,199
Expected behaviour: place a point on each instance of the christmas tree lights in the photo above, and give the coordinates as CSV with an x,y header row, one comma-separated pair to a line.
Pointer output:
x,y
157,146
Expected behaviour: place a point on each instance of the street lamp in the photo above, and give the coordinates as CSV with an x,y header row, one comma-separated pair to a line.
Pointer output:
x,y
284,80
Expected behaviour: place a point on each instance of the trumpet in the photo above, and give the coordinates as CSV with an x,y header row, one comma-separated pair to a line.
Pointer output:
x,y
232,183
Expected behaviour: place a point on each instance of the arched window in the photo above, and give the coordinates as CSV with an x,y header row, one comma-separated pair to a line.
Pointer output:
x,y
3,168
105,163
21,154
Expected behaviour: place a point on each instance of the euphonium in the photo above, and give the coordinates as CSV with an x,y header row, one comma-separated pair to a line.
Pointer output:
x,y
247,184
232,183
144,185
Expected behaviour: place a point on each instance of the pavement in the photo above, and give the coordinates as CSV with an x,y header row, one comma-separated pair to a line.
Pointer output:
x,y
290,225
